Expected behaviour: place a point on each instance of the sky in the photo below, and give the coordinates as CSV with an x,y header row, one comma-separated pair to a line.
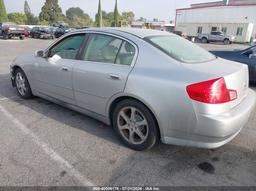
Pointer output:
x,y
150,9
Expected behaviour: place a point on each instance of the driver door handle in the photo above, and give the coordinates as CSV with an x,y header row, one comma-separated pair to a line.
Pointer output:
x,y
65,69
114,76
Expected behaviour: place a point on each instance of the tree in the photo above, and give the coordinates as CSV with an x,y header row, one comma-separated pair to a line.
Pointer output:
x,y
77,18
18,18
74,12
99,16
27,9
31,19
142,19
128,17
116,16
3,14
51,11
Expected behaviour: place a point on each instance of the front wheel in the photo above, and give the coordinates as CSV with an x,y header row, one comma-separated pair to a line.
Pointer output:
x,y
135,125
22,84
227,41
22,37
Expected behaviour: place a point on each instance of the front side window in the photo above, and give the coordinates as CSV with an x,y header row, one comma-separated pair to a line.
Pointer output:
x,y
69,47
180,49
102,48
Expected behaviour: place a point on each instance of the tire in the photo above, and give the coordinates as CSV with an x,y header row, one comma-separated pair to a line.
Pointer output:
x,y
139,131
226,41
204,40
22,37
5,36
22,84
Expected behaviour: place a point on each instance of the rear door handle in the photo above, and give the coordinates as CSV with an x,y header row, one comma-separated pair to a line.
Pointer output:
x,y
65,69
114,76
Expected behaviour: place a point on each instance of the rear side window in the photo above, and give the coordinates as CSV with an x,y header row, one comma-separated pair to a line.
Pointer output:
x,y
109,49
126,54
68,48
180,49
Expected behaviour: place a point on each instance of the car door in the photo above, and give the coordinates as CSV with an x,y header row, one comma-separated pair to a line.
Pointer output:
x,y
213,36
219,36
53,74
103,70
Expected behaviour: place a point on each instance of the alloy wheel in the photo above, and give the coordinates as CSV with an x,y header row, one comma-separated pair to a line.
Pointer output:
x,y
132,125
20,83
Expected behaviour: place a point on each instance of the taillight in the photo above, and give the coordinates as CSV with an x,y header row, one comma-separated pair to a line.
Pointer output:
x,y
213,92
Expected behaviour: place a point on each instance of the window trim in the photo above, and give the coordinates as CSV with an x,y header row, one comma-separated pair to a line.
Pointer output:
x,y
47,51
89,33
147,39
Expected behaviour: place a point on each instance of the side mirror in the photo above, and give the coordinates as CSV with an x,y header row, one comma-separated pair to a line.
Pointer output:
x,y
252,56
40,53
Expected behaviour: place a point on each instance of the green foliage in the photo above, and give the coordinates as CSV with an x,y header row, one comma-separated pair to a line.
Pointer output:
x,y
116,16
51,11
27,9
99,16
18,18
3,14
142,19
127,18
77,18
31,19
43,22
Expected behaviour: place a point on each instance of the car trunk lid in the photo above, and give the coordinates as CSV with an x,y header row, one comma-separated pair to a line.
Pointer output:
x,y
235,75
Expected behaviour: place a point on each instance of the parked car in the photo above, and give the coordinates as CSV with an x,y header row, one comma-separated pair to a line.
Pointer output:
x,y
180,33
41,33
147,84
216,37
247,56
9,30
61,31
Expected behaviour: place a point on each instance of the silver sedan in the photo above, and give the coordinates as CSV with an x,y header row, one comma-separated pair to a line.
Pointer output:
x,y
149,85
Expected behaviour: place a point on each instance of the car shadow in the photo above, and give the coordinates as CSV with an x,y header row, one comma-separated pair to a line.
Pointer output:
x,y
58,112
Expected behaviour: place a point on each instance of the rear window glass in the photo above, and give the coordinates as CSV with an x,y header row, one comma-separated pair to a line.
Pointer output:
x,y
181,49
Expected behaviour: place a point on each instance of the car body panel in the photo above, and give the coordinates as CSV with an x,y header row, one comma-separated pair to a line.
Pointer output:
x,y
241,57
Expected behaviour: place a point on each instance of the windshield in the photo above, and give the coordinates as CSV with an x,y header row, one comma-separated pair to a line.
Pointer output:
x,y
180,49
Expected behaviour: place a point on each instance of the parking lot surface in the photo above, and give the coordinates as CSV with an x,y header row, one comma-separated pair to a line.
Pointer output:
x,y
44,144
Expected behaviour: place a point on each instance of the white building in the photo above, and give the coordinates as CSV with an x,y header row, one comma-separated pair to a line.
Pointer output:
x,y
233,17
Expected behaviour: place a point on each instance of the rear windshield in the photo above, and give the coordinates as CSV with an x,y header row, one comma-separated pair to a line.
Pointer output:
x,y
181,49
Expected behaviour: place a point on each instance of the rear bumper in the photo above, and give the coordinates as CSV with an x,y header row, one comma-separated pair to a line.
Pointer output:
x,y
213,131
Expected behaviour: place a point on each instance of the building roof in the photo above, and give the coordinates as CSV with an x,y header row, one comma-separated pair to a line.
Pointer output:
x,y
221,4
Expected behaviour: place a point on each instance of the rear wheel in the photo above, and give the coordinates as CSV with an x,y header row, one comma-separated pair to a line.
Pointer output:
x,y
5,36
135,125
22,37
22,84
204,40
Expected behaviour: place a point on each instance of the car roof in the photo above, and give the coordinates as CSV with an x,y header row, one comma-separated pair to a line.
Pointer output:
x,y
140,33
